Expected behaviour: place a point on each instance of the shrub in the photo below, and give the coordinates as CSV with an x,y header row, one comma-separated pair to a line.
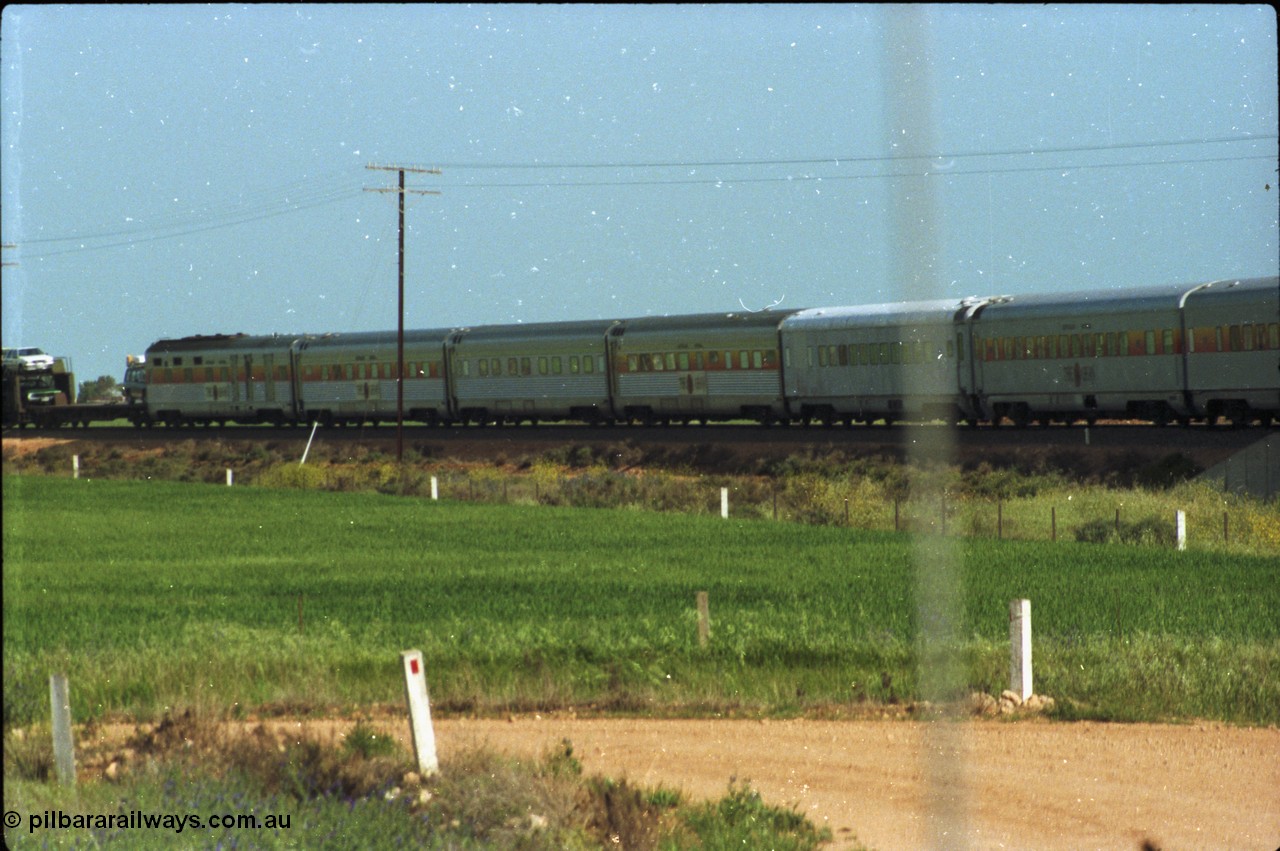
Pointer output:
x,y
297,476
1147,531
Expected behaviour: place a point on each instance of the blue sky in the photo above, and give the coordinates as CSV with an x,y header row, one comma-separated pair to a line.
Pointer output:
x,y
175,170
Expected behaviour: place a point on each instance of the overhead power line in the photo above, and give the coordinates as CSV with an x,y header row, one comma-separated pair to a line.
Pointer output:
x,y
310,193
856,158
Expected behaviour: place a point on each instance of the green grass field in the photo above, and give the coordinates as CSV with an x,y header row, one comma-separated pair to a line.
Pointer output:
x,y
161,595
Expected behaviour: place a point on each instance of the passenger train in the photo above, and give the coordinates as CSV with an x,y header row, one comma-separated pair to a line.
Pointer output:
x,y
1162,354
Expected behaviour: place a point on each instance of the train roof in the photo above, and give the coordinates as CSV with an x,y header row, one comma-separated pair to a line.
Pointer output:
x,y
699,321
895,313
590,328
1089,302
356,339
222,342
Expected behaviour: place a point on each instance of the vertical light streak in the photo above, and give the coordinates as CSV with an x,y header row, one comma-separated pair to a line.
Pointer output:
x,y
914,248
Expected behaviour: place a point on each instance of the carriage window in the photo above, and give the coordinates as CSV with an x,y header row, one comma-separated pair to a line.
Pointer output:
x,y
557,366
743,360
671,360
526,366
1149,343
633,363
757,359
822,356
770,359
1273,333
1168,341
484,368
542,365
573,365
683,360
513,366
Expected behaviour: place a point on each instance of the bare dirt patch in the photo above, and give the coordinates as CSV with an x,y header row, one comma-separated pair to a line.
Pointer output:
x,y
906,784
20,447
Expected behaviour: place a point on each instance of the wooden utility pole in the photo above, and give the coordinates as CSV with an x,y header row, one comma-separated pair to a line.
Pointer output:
x,y
401,191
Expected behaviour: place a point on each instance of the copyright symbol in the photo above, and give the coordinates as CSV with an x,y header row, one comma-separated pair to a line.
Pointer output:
x,y
12,818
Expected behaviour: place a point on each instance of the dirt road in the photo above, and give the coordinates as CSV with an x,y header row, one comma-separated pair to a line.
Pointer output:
x,y
1027,785
894,784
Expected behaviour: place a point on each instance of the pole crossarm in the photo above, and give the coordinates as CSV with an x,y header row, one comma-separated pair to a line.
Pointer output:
x,y
413,169
406,191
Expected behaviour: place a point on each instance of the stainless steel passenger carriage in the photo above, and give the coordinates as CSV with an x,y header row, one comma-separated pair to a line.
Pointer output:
x,y
548,371
1232,329
351,378
879,362
719,366
1083,355
221,378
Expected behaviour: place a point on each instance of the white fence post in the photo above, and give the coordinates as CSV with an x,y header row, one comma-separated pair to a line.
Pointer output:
x,y
230,477
415,692
724,503
435,488
75,466
1180,529
1020,648
64,754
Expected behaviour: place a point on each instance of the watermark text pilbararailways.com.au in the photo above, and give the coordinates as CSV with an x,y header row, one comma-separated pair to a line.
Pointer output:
x,y
140,820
